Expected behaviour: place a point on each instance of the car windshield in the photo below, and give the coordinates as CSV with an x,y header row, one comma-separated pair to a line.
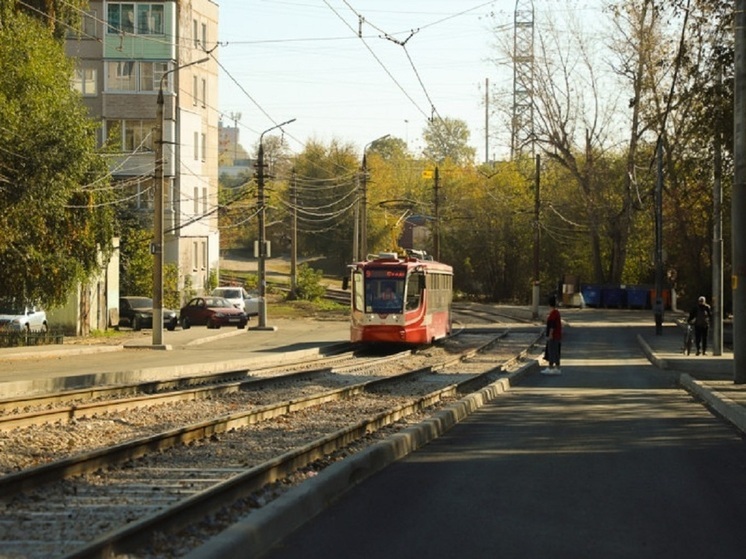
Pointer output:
x,y
217,302
143,303
10,307
230,293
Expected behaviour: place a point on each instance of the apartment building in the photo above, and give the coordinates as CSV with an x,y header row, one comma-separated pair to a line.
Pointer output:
x,y
125,53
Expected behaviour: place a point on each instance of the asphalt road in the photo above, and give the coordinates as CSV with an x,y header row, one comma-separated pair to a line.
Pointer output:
x,y
609,460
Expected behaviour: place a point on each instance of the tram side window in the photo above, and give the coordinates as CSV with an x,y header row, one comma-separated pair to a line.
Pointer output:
x,y
358,291
415,285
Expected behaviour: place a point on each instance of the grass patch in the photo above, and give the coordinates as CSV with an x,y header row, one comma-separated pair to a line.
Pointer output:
x,y
319,310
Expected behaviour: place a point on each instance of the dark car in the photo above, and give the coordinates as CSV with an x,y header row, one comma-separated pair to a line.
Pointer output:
x,y
213,312
137,313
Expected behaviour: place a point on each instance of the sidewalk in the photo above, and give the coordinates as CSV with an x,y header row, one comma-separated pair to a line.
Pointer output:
x,y
707,377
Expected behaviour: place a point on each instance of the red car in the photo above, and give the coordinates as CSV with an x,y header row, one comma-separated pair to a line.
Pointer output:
x,y
213,312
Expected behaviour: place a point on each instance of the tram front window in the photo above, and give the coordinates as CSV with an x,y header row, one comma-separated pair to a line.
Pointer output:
x,y
384,296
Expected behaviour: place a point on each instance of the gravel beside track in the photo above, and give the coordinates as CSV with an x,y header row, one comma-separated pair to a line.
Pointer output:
x,y
171,476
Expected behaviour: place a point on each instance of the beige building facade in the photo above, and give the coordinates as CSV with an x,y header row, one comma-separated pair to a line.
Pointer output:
x,y
125,53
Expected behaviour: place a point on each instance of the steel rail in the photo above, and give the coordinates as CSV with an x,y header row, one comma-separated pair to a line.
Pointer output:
x,y
128,538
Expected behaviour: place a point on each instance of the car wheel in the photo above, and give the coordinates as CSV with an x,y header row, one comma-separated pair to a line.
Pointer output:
x,y
44,328
185,323
171,325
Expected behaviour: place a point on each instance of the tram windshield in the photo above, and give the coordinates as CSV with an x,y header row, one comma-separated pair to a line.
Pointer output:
x,y
384,294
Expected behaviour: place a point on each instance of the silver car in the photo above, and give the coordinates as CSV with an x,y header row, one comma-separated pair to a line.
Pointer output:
x,y
18,317
240,298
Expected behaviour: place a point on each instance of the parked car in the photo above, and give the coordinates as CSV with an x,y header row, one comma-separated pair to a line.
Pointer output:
x,y
213,312
137,313
247,302
19,317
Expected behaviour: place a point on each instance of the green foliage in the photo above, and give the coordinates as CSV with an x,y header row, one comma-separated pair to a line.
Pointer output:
x,y
309,286
212,280
171,296
136,262
189,291
57,217
326,183
448,138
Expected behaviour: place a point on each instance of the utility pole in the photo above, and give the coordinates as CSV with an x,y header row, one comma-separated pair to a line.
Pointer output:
x,y
738,199
364,209
536,287
364,200
660,304
356,224
235,117
156,247
486,121
294,239
263,248
436,240
717,226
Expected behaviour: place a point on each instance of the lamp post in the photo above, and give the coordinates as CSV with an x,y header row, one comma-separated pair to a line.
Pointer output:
x,y
364,198
156,247
263,245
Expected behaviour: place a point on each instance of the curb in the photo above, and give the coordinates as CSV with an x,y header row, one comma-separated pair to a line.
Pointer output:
x,y
259,531
721,404
652,357
46,385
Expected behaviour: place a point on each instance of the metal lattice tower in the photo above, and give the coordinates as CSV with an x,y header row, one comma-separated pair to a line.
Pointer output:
x,y
522,133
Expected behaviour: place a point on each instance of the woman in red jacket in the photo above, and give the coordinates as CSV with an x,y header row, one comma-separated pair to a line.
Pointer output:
x,y
554,339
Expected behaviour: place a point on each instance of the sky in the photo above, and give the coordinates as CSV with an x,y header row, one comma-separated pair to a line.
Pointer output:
x,y
340,79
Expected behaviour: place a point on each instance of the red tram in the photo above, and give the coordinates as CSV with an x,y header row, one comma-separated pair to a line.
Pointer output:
x,y
401,300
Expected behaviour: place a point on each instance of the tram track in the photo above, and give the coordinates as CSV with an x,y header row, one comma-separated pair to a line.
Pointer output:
x,y
77,404
195,485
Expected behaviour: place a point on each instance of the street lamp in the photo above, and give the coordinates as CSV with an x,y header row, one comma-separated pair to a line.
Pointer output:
x,y
263,245
364,198
156,248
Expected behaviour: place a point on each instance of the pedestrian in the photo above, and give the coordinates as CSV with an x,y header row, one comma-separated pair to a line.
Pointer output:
x,y
658,314
700,316
554,339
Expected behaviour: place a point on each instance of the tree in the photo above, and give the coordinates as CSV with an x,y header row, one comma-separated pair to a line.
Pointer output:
x,y
55,213
448,138
326,183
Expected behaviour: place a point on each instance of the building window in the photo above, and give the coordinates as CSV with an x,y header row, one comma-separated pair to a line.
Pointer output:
x,y
131,135
146,20
196,200
84,81
150,19
121,18
204,92
204,200
195,255
196,146
204,36
195,91
151,74
145,194
129,75
204,147
195,28
89,25
121,75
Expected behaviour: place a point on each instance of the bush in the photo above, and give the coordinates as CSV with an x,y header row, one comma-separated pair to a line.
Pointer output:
x,y
212,281
309,286
171,298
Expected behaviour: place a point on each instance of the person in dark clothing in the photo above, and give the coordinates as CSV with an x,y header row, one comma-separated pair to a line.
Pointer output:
x,y
554,339
700,317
